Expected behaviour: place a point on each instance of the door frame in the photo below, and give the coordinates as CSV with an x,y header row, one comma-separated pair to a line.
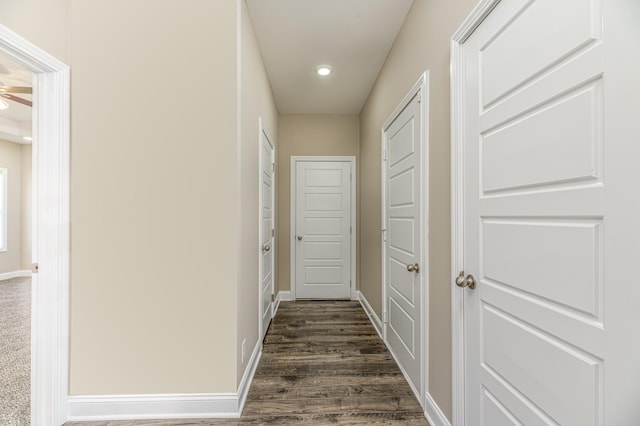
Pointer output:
x,y
50,234
292,218
457,93
422,85
263,132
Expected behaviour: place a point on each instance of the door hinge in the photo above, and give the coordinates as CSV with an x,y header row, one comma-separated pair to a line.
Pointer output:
x,y
273,232
273,297
35,268
273,167
385,318
384,155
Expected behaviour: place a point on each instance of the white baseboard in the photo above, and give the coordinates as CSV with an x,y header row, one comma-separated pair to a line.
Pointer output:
x,y
163,406
373,317
247,377
15,274
433,413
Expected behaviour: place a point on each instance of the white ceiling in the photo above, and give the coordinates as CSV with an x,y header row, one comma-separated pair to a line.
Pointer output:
x,y
352,36
15,122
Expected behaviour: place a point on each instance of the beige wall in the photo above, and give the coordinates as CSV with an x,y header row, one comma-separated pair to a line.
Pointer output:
x,y
154,255
154,197
256,101
308,134
11,159
45,23
422,44
25,188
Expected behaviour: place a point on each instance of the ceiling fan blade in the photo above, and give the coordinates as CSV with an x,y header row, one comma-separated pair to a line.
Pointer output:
x,y
16,89
17,99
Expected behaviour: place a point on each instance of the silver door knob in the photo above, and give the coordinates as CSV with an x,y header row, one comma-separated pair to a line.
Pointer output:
x,y
468,281
299,237
266,248
413,268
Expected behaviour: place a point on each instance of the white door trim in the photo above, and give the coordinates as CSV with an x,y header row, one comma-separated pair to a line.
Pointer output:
x,y
422,85
292,217
262,130
479,13
50,288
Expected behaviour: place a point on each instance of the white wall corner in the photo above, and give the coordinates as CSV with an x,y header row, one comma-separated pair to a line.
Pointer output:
x,y
283,296
247,377
433,413
373,317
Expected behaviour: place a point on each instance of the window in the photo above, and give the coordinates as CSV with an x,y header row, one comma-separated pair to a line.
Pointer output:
x,y
3,209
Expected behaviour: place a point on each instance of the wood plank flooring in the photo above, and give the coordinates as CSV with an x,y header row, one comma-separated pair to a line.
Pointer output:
x,y
322,363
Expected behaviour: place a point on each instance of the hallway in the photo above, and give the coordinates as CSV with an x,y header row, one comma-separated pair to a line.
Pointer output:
x,y
322,363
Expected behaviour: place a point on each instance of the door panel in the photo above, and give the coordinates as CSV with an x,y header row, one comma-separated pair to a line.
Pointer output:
x,y
537,35
322,241
536,365
534,224
267,160
403,239
566,256
534,161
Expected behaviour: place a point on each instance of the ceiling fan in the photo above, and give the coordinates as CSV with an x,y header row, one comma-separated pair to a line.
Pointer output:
x,y
7,92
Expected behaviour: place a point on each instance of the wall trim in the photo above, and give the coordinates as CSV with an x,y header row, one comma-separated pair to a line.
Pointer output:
x,y
373,317
247,377
166,406
50,213
15,274
457,90
156,406
433,413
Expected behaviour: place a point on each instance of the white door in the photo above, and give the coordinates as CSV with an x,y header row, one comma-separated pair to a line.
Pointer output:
x,y
550,336
267,231
404,270
322,238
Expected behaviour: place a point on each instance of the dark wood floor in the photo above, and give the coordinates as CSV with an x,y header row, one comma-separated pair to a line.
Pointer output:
x,y
322,363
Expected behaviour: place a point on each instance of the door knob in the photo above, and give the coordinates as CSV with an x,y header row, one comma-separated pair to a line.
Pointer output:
x,y
413,268
299,237
469,281
266,248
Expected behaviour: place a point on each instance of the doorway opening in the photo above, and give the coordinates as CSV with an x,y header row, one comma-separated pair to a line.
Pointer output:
x,y
15,242
50,227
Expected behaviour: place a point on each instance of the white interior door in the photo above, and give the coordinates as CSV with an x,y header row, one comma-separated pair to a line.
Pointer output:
x,y
545,235
403,239
267,231
322,238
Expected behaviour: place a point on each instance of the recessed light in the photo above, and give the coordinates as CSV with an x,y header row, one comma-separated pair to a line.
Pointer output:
x,y
3,104
27,138
323,70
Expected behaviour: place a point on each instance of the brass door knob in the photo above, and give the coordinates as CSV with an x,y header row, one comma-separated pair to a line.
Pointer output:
x,y
299,237
413,268
468,281
266,248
